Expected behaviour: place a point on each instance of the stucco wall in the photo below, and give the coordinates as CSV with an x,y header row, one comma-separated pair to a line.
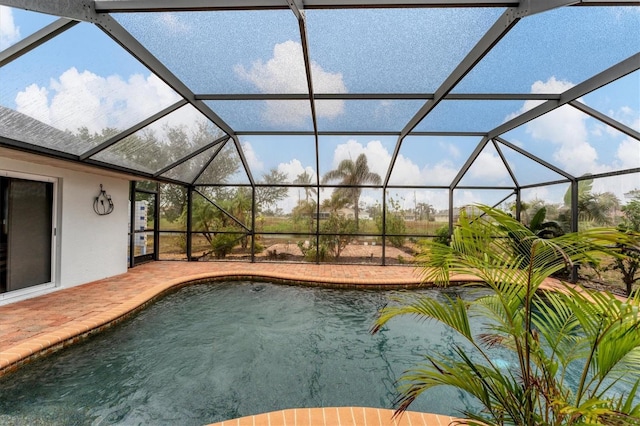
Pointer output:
x,y
88,246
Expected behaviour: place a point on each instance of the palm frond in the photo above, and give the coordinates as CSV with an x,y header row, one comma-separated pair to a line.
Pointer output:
x,y
452,312
549,334
560,328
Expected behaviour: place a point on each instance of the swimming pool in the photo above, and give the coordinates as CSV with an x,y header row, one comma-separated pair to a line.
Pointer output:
x,y
213,352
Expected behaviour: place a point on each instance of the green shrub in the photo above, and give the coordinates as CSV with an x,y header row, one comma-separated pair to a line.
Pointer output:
x,y
309,251
223,244
442,235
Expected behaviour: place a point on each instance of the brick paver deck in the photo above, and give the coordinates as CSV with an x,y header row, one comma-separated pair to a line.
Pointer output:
x,y
340,416
44,324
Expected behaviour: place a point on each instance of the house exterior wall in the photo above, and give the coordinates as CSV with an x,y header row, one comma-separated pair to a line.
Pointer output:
x,y
88,247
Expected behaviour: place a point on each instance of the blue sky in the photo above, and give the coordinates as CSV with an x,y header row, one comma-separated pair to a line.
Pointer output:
x,y
84,78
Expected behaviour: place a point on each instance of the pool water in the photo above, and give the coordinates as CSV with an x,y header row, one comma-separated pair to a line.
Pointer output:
x,y
212,352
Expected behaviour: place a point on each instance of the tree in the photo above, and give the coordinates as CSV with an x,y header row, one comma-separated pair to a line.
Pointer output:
x,y
341,230
424,211
219,171
395,226
305,211
306,180
596,208
629,264
269,195
225,164
336,202
631,213
240,207
354,174
543,228
584,187
591,333
306,207
149,152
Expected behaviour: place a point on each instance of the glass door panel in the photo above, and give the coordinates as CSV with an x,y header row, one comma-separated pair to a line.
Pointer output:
x,y
26,237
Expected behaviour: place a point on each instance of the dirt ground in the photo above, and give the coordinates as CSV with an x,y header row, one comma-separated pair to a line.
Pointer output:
x,y
362,254
352,253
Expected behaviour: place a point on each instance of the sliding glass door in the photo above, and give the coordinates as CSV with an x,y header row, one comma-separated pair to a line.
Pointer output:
x,y
26,215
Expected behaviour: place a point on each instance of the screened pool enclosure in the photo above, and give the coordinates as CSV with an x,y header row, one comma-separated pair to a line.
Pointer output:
x,y
329,131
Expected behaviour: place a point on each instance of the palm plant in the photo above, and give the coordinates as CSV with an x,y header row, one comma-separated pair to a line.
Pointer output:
x,y
548,334
354,174
307,180
544,228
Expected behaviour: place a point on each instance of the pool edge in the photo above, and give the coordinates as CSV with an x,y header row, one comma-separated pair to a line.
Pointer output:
x,y
45,344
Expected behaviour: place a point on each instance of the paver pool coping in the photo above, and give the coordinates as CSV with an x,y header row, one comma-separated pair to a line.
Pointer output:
x,y
340,416
107,302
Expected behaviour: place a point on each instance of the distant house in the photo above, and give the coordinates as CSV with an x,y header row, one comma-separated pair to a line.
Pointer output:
x,y
347,213
443,215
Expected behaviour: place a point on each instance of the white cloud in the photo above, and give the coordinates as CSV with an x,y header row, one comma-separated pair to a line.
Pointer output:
x,y
9,31
540,193
255,165
294,168
598,130
453,150
405,171
287,113
619,185
569,131
33,101
172,22
441,173
627,116
488,166
77,99
285,73
564,127
466,197
550,86
629,153
378,157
